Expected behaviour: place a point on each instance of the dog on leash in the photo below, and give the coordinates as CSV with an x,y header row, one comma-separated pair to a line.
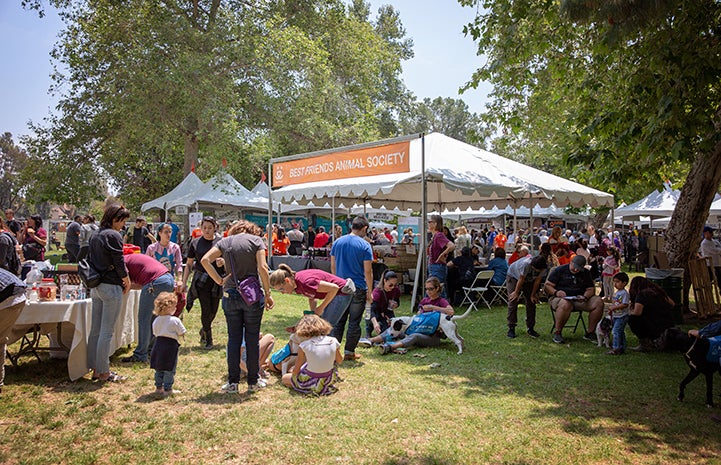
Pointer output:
x,y
603,331
701,356
447,324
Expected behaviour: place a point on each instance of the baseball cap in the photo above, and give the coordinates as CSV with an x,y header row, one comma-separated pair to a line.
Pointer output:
x,y
578,261
708,229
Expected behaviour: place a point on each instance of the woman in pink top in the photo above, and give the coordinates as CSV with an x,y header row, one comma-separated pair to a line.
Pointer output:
x,y
438,251
335,293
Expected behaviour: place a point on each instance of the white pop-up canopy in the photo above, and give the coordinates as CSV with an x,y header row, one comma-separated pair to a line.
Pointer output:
x,y
457,175
657,204
223,190
188,186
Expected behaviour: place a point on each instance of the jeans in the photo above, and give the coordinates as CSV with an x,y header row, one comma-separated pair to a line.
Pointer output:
x,y
619,332
336,308
440,271
150,291
73,251
165,379
8,316
242,318
353,315
107,302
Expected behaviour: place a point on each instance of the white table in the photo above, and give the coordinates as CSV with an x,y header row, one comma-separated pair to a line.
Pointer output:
x,y
73,319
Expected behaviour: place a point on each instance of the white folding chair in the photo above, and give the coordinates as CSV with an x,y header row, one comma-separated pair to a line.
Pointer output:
x,y
479,287
500,294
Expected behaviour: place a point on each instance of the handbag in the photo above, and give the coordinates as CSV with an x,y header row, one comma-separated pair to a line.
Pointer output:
x,y
248,287
88,275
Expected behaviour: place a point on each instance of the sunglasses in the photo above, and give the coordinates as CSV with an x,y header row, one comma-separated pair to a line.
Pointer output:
x,y
431,288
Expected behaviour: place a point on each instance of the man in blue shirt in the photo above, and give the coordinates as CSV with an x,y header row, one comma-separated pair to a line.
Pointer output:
x,y
351,256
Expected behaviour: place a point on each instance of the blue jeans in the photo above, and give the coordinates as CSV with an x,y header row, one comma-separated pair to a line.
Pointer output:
x,y
619,332
241,319
353,315
150,291
440,271
165,379
336,308
107,303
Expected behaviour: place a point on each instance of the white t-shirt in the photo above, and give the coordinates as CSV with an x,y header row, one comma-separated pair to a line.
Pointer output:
x,y
711,248
168,326
320,353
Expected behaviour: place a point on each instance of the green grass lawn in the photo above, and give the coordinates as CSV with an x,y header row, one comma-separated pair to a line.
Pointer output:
x,y
520,401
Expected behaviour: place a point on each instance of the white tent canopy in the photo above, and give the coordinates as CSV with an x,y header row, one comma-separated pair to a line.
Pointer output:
x,y
187,186
222,191
521,212
457,174
657,204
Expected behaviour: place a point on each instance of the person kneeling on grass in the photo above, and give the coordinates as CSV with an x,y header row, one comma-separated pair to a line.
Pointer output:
x,y
315,370
423,329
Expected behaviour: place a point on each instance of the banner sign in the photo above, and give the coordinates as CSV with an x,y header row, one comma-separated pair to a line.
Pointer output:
x,y
386,159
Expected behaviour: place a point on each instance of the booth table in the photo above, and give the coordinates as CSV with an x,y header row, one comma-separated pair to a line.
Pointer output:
x,y
69,324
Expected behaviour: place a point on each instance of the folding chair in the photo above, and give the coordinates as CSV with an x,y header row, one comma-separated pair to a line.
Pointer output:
x,y
479,286
568,323
500,293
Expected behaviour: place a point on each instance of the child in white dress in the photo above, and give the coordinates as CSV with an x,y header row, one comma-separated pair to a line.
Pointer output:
x,y
315,370
167,329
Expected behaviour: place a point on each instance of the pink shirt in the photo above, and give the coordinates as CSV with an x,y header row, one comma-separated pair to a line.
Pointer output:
x,y
438,244
306,282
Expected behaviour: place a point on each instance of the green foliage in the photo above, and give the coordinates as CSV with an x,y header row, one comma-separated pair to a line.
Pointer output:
x,y
447,116
619,95
149,89
12,162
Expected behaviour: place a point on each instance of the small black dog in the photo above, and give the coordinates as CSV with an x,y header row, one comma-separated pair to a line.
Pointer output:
x,y
694,352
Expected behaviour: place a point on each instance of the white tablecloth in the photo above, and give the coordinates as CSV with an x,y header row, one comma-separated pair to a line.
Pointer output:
x,y
75,317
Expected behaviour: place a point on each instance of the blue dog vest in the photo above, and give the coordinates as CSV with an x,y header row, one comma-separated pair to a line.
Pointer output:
x,y
425,323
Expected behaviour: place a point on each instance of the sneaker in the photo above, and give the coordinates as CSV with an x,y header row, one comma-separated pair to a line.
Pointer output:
x,y
208,346
531,332
365,342
230,388
384,349
614,352
591,337
132,359
171,392
261,384
511,334
352,356
557,338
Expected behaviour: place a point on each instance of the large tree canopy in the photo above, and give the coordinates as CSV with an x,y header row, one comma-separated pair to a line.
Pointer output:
x,y
624,93
151,88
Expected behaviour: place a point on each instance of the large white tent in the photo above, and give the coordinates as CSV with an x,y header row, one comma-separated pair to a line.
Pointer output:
x,y
657,204
188,186
457,175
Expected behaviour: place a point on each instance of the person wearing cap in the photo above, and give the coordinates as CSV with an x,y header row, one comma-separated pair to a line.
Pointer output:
x,y
570,288
710,247
524,277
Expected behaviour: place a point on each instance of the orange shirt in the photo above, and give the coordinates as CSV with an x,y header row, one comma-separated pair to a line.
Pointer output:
x,y
500,241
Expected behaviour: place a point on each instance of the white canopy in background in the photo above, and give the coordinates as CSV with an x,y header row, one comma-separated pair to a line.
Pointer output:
x,y
187,186
657,204
458,175
222,191
521,212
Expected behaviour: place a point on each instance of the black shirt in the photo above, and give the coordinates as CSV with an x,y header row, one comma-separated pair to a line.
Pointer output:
x,y
570,283
198,248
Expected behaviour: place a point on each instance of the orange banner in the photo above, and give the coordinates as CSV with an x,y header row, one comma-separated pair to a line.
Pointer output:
x,y
385,159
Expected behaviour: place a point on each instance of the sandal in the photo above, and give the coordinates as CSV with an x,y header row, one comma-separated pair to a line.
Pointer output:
x,y
113,377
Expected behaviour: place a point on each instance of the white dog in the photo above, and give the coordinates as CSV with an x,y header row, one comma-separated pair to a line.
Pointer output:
x,y
447,324
603,331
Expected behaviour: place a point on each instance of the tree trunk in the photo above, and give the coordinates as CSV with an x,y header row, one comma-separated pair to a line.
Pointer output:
x,y
191,148
683,235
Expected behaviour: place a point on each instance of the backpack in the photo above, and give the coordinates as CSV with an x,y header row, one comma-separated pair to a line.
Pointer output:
x,y
12,261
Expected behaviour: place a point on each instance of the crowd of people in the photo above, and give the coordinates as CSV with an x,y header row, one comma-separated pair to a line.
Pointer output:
x,y
230,270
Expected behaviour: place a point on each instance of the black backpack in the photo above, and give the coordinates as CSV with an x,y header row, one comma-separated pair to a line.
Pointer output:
x,y
11,259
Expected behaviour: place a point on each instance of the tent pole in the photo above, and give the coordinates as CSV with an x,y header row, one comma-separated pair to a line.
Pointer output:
x,y
424,226
270,216
530,227
332,221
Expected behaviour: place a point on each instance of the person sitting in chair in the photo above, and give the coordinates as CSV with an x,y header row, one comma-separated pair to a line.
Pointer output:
x,y
570,288
460,274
